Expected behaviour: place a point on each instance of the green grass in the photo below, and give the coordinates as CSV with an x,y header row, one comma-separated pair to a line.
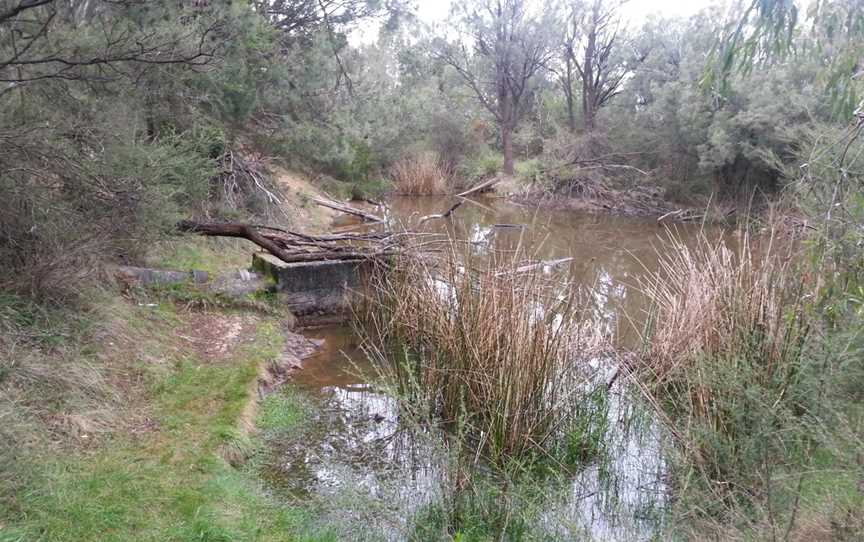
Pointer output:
x,y
171,483
201,254
283,411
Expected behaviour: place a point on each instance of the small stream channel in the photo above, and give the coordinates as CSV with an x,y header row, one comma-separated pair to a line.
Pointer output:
x,y
372,474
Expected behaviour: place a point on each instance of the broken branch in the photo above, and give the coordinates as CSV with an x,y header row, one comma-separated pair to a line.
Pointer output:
x,y
348,210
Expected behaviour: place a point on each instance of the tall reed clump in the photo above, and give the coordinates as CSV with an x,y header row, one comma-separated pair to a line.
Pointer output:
x,y
487,344
727,359
419,174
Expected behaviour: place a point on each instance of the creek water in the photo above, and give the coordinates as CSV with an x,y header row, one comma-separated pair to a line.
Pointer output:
x,y
368,471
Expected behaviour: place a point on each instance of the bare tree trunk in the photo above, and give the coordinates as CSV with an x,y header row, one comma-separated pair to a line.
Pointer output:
x,y
588,83
507,142
568,92
589,115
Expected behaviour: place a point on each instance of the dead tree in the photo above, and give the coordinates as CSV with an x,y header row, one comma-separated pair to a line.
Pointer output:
x,y
503,49
589,47
294,247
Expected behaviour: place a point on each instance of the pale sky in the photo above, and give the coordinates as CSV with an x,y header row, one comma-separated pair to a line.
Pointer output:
x,y
436,10
633,11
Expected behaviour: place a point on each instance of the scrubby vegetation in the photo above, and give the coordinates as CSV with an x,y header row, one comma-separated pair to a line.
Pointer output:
x,y
120,117
741,361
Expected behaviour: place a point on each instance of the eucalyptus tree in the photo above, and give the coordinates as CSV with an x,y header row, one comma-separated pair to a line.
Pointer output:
x,y
499,50
296,18
595,48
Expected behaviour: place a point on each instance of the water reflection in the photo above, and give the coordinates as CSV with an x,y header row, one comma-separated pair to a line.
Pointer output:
x,y
370,471
375,472
609,253
619,496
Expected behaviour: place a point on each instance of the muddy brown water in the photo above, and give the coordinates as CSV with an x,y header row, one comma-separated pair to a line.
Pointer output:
x,y
370,473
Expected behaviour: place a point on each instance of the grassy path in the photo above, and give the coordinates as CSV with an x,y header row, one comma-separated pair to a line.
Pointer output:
x,y
171,481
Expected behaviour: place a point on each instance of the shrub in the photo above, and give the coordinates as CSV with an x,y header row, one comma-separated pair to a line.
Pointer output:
x,y
61,220
450,138
482,166
727,362
529,171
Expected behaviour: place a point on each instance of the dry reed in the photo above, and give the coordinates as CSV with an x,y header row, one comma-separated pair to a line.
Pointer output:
x,y
486,343
725,345
710,300
419,175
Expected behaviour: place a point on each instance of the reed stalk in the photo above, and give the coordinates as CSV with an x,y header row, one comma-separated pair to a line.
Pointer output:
x,y
487,343
419,175
724,355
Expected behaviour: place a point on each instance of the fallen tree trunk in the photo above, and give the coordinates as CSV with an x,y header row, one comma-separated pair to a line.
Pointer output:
x,y
277,244
241,231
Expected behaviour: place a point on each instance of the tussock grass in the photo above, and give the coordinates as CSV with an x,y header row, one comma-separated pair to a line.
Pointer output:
x,y
419,175
713,301
201,254
485,344
737,363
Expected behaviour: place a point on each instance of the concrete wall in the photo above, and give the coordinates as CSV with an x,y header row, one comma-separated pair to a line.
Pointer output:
x,y
322,288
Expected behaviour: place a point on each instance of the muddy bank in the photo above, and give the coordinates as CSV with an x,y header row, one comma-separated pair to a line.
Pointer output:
x,y
642,202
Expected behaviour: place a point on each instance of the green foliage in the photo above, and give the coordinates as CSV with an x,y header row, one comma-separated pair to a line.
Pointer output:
x,y
529,171
482,166
373,188
361,165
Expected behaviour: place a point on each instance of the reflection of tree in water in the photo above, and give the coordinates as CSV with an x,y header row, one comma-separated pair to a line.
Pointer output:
x,y
360,462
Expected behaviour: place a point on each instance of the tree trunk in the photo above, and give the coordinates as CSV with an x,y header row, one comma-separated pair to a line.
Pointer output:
x,y
507,141
589,85
588,113
568,92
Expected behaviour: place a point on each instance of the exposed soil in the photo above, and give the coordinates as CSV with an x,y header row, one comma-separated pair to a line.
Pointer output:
x,y
298,192
297,348
215,335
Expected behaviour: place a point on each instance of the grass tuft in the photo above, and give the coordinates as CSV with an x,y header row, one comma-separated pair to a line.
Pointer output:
x,y
740,365
419,175
484,343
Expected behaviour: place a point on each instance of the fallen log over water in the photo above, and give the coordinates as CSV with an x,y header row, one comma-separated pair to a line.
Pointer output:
x,y
294,247
342,208
445,214
480,187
